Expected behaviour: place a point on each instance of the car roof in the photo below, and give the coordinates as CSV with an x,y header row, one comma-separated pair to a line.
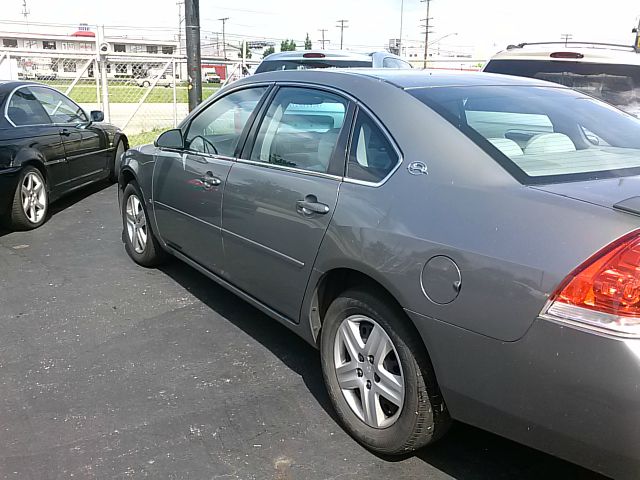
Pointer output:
x,y
404,78
8,85
328,54
591,53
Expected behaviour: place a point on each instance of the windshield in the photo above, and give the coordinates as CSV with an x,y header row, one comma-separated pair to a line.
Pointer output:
x,y
542,134
304,64
613,83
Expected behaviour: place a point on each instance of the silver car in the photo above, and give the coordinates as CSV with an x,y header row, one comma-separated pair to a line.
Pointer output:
x,y
457,246
307,59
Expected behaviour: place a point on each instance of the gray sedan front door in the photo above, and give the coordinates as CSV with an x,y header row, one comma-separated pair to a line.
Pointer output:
x,y
188,186
280,196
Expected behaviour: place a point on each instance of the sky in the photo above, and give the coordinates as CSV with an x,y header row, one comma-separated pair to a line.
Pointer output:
x,y
477,27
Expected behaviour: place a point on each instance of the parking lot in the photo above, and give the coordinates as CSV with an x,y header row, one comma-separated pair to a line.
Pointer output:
x,y
109,370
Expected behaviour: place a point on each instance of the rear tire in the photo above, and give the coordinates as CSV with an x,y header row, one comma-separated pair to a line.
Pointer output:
x,y
30,200
412,414
139,239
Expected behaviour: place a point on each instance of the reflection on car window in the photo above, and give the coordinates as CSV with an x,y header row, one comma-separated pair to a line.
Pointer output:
x,y
300,129
372,156
306,64
59,107
24,109
391,62
217,129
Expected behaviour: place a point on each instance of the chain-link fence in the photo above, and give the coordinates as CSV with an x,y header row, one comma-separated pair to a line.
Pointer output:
x,y
142,94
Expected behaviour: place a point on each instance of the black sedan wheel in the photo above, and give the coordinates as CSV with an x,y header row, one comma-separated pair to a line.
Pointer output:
x,y
140,242
379,377
30,200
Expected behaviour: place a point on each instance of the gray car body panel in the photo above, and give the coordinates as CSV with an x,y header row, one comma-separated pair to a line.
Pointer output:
x,y
499,366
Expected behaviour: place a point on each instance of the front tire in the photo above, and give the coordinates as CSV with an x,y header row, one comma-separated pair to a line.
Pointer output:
x,y
379,377
30,200
139,240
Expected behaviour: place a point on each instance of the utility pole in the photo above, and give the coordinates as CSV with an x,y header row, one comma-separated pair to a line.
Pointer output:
x,y
401,18
342,26
224,41
566,37
427,26
636,30
323,30
194,65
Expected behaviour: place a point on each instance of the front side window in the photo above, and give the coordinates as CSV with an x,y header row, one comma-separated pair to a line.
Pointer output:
x,y
300,129
371,157
542,134
25,109
59,108
217,129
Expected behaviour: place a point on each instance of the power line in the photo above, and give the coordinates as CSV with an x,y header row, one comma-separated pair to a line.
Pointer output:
x,y
342,26
323,30
566,37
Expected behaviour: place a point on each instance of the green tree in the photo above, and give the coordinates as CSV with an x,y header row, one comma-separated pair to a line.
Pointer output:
x,y
307,43
288,45
268,51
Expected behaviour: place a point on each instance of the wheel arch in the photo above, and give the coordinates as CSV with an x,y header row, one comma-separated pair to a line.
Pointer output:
x,y
338,280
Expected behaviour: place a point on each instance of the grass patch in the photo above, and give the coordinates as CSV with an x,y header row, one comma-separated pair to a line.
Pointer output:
x,y
143,138
132,93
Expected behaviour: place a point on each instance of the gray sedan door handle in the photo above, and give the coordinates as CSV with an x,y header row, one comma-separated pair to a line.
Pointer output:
x,y
310,205
209,181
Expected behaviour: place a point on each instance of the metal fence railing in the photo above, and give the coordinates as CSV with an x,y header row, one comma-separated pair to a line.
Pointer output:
x,y
142,94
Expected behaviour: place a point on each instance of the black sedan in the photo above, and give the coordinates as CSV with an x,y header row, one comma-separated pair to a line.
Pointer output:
x,y
49,146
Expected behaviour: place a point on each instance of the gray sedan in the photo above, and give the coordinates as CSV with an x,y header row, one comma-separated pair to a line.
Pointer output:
x,y
457,246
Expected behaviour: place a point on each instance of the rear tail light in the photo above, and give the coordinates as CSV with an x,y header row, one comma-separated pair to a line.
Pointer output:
x,y
604,292
566,55
313,55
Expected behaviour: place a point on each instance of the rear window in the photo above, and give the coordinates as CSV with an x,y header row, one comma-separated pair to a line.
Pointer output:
x,y
304,64
616,84
542,134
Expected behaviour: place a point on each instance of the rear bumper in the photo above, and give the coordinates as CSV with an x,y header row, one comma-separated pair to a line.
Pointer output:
x,y
567,392
8,182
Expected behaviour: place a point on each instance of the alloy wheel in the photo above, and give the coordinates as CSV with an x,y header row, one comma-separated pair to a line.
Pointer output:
x,y
136,224
368,371
33,195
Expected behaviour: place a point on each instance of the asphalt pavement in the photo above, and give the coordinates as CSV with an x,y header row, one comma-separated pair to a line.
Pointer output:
x,y
112,371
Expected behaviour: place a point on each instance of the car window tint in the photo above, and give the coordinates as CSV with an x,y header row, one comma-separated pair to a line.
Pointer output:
x,y
300,129
59,108
372,157
25,109
217,129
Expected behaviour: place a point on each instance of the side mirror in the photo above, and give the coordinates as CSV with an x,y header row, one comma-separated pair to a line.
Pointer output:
x,y
97,116
170,139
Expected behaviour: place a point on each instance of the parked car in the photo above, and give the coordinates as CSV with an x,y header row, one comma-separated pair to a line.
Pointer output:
x,y
458,246
161,81
306,59
49,146
606,71
211,77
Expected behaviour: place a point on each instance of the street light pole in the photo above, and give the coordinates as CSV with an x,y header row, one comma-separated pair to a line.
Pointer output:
x,y
194,67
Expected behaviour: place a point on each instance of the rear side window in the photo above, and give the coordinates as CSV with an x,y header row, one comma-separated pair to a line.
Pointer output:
x,y
300,129
303,64
25,109
372,156
542,134
614,83
391,62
